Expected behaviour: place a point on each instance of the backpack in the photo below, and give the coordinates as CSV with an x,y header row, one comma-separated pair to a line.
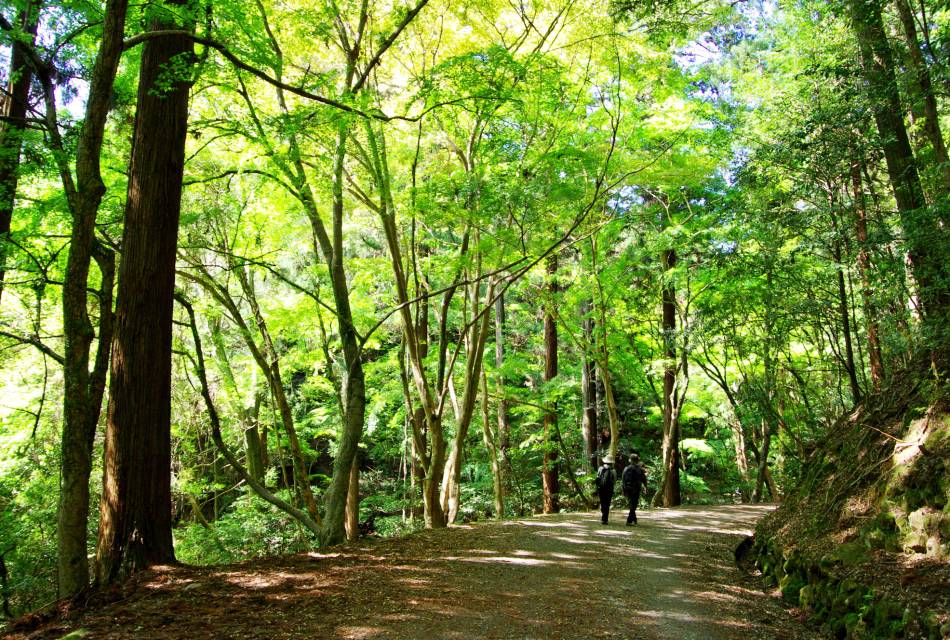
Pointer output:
x,y
605,479
633,478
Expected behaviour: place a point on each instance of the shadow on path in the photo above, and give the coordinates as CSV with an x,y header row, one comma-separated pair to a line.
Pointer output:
x,y
562,576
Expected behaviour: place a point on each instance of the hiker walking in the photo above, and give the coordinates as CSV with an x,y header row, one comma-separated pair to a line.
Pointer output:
x,y
606,477
634,480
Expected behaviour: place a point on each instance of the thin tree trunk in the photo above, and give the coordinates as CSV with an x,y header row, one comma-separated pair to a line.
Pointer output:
x,y
256,486
763,477
82,393
846,328
864,268
549,467
269,363
589,391
603,363
671,453
477,336
254,444
492,450
13,123
504,423
354,385
135,512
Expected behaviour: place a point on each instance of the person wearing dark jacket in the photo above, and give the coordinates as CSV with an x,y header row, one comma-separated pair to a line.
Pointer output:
x,y
634,480
606,477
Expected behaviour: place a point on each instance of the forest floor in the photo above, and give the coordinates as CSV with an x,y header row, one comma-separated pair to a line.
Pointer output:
x,y
546,577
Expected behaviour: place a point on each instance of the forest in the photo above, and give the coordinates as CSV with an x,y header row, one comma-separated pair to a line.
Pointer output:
x,y
277,276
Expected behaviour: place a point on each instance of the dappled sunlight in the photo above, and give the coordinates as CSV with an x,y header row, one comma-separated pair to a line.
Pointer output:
x,y
507,560
574,540
670,579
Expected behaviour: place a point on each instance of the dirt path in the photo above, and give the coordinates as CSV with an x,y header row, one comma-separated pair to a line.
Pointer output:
x,y
549,577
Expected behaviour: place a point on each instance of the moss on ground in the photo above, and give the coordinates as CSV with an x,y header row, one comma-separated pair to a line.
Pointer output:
x,y
863,543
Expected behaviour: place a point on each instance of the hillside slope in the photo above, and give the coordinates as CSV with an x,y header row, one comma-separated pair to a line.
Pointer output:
x,y
863,542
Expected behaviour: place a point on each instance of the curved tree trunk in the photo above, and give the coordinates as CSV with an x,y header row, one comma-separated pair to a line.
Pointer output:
x,y
353,388
82,392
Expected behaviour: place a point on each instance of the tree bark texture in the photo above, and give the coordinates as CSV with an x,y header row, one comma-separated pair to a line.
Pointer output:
x,y
13,123
491,448
671,436
504,423
925,94
925,230
353,502
589,392
135,512
82,392
353,385
549,465
864,269
845,316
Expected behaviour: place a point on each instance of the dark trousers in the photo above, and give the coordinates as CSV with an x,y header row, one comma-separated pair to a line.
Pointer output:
x,y
634,498
605,498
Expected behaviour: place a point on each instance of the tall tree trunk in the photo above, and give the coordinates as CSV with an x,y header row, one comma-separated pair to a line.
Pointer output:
x,y
671,453
504,423
353,385
603,363
549,466
589,391
13,122
762,477
476,339
135,512
925,93
846,327
82,393
924,229
353,502
742,460
491,448
864,268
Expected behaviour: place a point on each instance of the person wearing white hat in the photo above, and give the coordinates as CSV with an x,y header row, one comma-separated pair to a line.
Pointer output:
x,y
606,477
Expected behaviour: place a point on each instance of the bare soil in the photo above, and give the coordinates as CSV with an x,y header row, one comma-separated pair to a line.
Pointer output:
x,y
546,577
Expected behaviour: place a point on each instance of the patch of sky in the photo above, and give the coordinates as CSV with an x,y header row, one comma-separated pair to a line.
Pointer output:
x,y
624,200
725,247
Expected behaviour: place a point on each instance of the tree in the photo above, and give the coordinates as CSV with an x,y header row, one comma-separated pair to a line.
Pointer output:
x,y
15,104
135,528
924,228
549,468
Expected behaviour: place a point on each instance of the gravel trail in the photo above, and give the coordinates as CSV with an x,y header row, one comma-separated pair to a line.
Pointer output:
x,y
563,576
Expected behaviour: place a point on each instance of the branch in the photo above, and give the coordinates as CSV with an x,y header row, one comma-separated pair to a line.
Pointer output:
x,y
387,43
240,64
258,488
36,342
